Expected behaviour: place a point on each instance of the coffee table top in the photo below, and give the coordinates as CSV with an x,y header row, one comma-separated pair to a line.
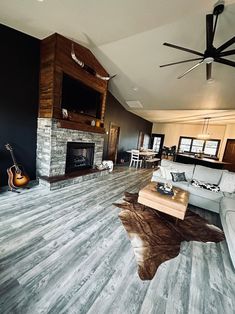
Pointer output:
x,y
175,205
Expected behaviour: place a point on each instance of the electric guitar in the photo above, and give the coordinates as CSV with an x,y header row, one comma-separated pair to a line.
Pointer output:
x,y
17,178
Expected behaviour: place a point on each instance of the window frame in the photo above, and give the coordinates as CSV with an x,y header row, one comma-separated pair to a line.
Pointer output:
x,y
204,144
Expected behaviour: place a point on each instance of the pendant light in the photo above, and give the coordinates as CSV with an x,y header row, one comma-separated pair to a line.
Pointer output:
x,y
205,135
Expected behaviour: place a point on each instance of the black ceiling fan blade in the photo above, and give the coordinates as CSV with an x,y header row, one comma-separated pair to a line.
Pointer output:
x,y
184,49
226,44
191,69
208,70
214,29
225,61
173,63
227,53
209,30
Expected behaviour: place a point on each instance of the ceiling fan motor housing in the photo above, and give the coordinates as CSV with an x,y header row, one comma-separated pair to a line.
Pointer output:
x,y
211,52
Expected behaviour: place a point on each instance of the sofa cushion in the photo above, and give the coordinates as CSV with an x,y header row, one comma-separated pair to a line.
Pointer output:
x,y
163,171
229,195
182,185
187,168
204,185
227,205
166,162
227,215
208,175
178,176
230,219
157,174
227,183
168,171
215,197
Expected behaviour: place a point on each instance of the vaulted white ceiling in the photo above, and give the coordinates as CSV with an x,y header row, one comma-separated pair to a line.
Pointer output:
x,y
127,37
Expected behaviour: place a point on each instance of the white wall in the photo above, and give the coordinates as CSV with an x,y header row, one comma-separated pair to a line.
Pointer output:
x,y
173,131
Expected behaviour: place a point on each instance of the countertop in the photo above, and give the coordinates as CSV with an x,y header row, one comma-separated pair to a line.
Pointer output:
x,y
213,161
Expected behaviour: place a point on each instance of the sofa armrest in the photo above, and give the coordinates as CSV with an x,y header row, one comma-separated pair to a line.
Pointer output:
x,y
156,174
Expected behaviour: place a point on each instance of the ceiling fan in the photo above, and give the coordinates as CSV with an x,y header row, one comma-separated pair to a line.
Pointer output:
x,y
211,54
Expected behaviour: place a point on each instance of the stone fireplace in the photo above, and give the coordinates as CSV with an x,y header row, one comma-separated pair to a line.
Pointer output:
x,y
53,144
69,145
79,156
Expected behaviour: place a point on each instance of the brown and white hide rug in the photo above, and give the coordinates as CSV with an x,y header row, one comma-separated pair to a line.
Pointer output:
x,y
156,237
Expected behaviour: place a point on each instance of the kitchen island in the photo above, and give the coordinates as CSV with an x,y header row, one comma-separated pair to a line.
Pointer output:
x,y
203,161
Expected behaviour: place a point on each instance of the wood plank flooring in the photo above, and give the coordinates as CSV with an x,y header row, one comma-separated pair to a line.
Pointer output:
x,y
66,251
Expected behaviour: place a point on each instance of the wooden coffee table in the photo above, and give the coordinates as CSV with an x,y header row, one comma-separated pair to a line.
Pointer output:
x,y
175,205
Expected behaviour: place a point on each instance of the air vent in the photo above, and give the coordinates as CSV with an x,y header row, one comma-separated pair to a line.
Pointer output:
x,y
134,104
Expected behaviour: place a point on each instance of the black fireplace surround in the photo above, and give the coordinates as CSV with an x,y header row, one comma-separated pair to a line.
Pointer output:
x,y
79,156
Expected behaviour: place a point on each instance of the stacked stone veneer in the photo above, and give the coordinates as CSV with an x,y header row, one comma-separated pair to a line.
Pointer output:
x,y
52,146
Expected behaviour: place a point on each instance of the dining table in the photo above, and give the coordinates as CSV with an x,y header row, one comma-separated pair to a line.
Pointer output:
x,y
144,154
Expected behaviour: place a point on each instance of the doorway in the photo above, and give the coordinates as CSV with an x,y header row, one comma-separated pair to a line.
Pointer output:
x,y
229,155
114,131
157,141
143,140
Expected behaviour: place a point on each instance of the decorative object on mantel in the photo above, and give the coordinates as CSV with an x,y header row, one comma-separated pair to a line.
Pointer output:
x,y
204,135
87,68
97,123
65,114
156,238
93,123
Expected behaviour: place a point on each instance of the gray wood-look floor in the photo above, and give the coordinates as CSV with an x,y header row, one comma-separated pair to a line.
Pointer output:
x,y
66,251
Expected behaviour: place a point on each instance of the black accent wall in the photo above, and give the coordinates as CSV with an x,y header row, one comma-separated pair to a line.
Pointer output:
x,y
19,74
130,127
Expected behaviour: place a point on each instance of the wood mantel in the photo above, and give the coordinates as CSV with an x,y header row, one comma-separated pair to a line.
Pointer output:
x,y
79,126
56,60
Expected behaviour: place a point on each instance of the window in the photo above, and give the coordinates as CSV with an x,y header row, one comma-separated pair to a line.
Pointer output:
x,y
211,148
185,144
194,145
197,146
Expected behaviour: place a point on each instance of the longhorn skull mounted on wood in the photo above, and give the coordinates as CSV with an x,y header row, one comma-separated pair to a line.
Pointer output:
x,y
87,68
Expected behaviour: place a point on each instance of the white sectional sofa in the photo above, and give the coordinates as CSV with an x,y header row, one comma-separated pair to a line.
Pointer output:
x,y
222,202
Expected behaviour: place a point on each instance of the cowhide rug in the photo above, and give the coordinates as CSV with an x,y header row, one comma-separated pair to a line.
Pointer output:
x,y
156,237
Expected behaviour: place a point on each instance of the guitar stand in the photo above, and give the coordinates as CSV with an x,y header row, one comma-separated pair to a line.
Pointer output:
x,y
16,191
13,190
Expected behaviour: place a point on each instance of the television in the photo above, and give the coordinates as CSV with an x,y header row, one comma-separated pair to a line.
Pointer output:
x,y
80,98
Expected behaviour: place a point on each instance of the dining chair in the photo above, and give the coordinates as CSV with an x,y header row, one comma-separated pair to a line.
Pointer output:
x,y
135,159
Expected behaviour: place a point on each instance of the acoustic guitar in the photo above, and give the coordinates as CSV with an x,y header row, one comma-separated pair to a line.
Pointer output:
x,y
17,177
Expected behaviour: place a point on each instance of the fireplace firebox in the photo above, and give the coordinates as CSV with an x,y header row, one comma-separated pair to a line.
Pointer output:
x,y
79,156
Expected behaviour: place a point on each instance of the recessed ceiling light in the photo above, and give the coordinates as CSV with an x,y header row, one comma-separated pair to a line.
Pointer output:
x,y
135,88
134,104
40,0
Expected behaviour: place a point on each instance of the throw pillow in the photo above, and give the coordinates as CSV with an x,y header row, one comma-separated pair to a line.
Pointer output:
x,y
227,183
206,186
178,176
